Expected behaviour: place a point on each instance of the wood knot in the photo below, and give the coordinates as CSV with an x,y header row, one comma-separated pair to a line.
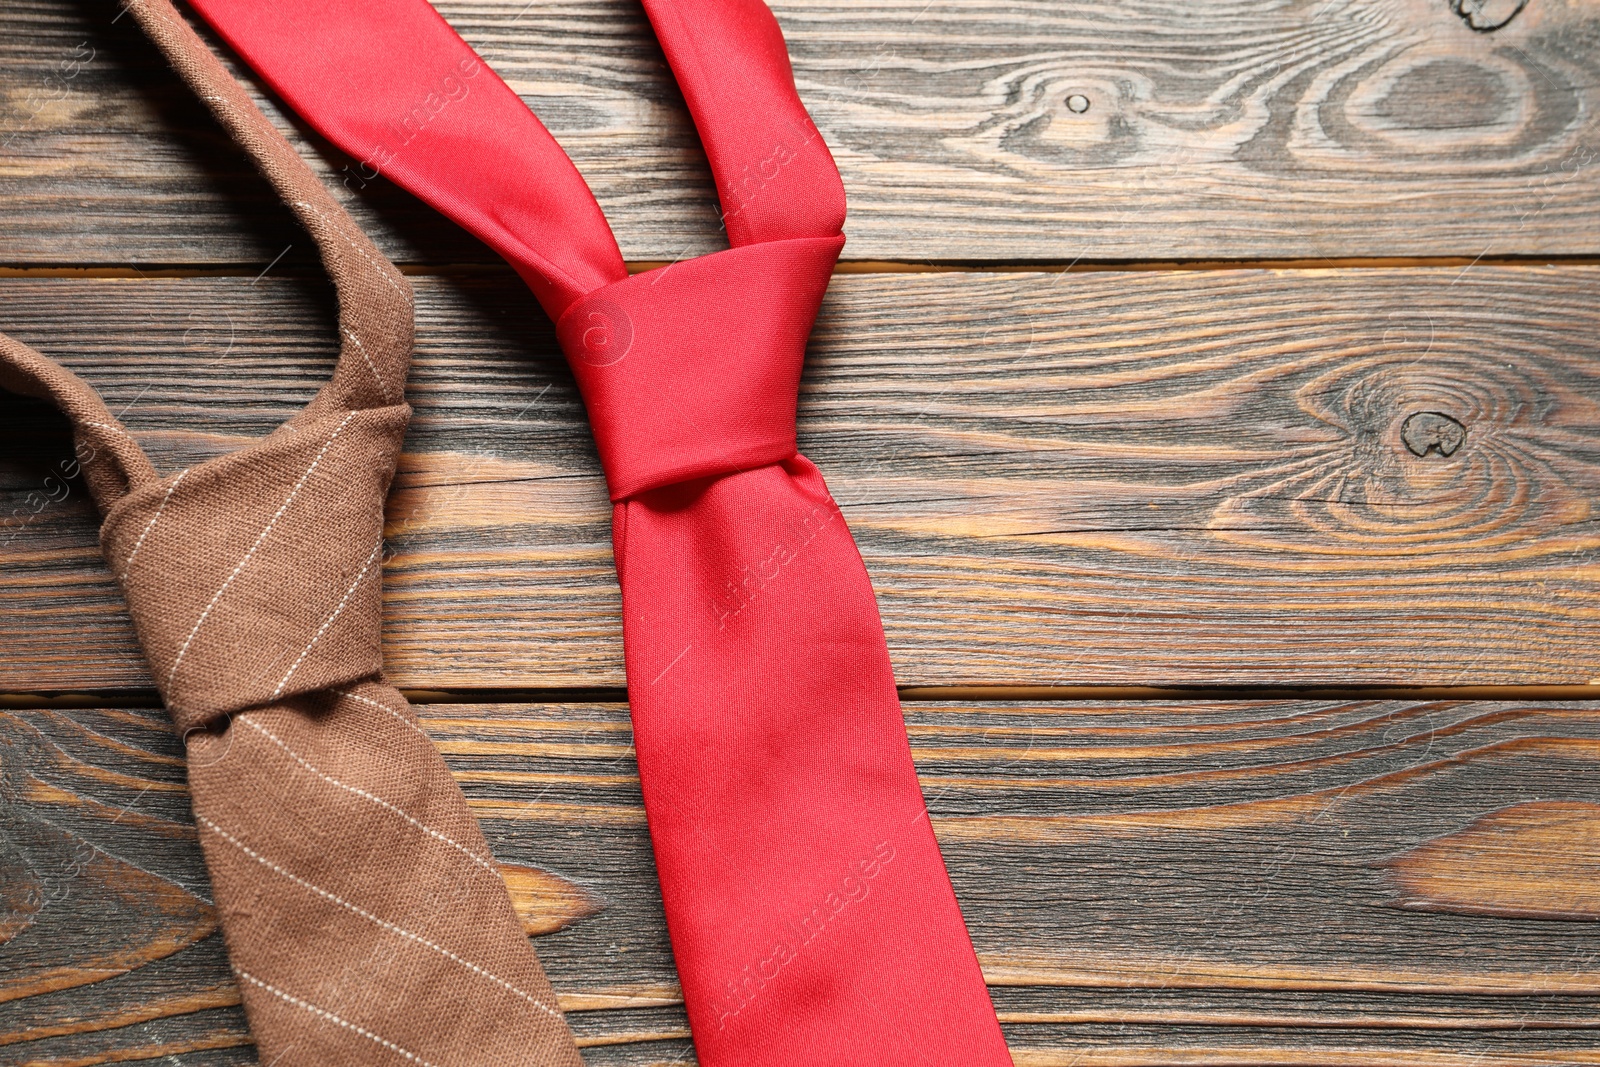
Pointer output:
x,y
1077,103
1432,431
1486,16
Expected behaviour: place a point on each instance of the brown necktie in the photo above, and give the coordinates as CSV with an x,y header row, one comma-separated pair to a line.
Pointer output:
x,y
364,915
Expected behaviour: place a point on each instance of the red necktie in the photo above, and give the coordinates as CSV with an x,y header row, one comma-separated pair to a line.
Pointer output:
x,y
811,916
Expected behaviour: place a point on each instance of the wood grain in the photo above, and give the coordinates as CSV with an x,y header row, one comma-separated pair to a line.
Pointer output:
x,y
965,130
1557,846
1107,478
1160,883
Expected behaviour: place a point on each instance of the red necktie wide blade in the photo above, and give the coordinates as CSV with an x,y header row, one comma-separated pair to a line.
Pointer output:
x,y
811,916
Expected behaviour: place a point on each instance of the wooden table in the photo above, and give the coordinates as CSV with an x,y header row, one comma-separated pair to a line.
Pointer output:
x,y
1213,389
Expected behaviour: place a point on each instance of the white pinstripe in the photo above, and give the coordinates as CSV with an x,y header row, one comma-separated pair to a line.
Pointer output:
x,y
151,525
358,249
358,791
322,1013
384,707
120,431
398,931
348,593
373,367
251,554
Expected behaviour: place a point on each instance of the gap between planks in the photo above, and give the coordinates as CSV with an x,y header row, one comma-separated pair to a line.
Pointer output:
x,y
875,266
148,698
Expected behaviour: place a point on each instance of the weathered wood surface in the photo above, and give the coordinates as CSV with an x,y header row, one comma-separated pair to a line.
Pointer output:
x,y
1242,883
1338,477
965,129
1207,478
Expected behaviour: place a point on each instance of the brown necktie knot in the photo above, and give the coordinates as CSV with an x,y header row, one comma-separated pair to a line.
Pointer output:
x,y
253,577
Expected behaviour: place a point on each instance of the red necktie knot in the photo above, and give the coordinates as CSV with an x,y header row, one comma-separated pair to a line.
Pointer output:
x,y
693,370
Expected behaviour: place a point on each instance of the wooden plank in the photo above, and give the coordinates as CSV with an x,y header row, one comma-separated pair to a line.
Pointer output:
x,y
1107,478
965,129
1161,883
